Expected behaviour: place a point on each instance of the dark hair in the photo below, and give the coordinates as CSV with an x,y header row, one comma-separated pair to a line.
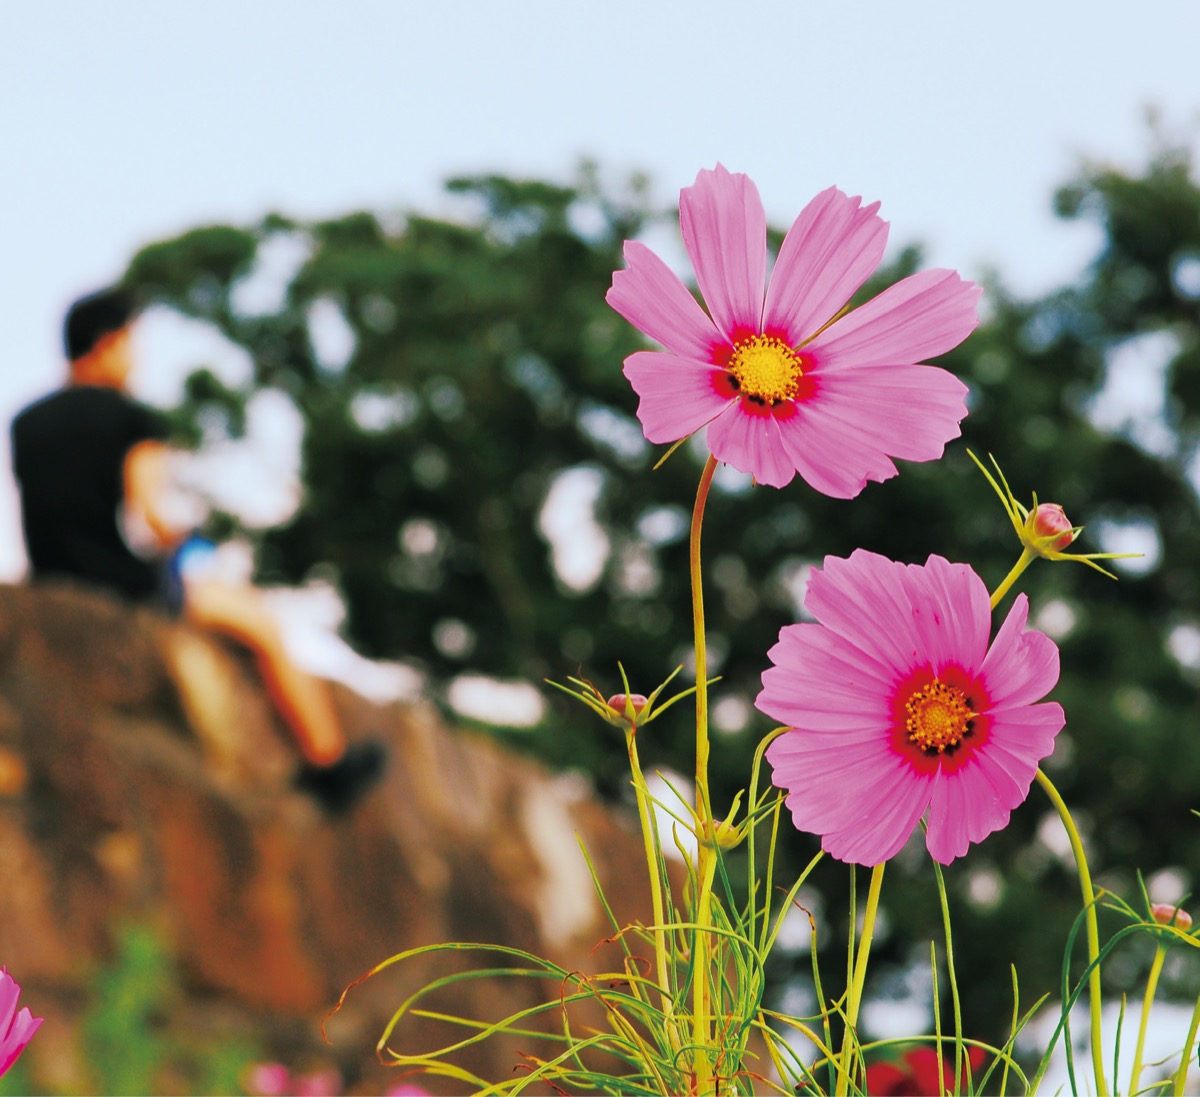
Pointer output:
x,y
92,317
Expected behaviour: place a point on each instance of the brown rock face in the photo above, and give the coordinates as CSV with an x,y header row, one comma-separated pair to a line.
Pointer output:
x,y
145,780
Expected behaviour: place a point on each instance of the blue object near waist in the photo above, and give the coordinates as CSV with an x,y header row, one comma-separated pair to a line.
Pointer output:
x,y
190,557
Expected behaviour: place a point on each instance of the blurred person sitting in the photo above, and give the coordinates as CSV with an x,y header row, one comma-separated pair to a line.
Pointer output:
x,y
91,463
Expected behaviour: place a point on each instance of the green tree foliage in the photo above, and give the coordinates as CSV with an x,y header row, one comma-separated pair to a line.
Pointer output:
x,y
481,365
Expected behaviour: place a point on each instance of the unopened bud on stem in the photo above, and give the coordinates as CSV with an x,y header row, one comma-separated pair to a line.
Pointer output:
x,y
1050,528
1166,914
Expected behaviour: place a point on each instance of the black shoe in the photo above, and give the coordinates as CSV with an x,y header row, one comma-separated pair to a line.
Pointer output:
x,y
338,787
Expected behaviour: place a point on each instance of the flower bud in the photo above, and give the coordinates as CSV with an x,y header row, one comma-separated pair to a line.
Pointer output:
x,y
638,701
1166,914
1050,520
625,710
725,835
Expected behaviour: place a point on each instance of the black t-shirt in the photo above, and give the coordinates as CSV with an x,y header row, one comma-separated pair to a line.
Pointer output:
x,y
69,454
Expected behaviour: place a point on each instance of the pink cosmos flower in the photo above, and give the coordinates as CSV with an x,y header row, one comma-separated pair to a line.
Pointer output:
x,y
275,1080
16,1028
781,389
898,705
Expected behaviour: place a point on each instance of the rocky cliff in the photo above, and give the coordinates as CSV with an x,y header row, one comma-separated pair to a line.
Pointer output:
x,y
145,780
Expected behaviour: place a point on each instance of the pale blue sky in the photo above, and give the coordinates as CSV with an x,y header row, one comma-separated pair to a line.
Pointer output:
x,y
128,121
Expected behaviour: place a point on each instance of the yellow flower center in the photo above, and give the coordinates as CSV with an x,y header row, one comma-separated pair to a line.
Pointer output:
x,y
939,717
765,369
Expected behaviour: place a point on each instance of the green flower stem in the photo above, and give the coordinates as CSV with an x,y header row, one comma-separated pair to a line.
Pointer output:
x,y
705,831
645,815
1093,929
1026,558
702,802
954,996
1186,1055
701,1028
859,980
1156,966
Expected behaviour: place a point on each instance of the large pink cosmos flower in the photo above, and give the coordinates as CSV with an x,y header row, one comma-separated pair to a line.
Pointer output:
x,y
898,705
780,388
16,1028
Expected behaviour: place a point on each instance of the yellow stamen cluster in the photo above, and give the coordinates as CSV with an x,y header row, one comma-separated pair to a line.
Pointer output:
x,y
765,369
939,717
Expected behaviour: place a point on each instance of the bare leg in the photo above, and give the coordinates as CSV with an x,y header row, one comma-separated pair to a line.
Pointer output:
x,y
304,702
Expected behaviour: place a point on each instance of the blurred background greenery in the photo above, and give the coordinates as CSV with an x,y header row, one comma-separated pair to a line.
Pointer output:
x,y
477,374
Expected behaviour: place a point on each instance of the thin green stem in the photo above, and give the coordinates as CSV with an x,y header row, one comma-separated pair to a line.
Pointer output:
x,y
705,830
860,978
937,1020
1093,928
1156,966
1186,1060
1026,558
702,802
954,996
645,815
701,1034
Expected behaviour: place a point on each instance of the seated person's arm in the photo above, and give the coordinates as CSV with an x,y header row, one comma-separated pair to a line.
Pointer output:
x,y
147,494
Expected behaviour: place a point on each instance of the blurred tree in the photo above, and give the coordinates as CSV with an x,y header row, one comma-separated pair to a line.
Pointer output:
x,y
454,376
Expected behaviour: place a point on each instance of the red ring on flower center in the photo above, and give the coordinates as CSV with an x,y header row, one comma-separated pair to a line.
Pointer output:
x,y
938,717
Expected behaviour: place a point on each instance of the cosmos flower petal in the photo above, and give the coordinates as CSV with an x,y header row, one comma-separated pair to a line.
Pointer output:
x,y
870,749
972,803
10,993
844,436
864,599
1029,731
947,836
883,832
957,639
650,296
904,411
16,1027
1022,665
24,1025
829,453
920,317
843,687
845,788
677,395
750,443
828,253
725,234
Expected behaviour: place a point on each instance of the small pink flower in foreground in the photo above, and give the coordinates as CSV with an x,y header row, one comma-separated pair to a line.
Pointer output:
x,y
275,1080
898,705
16,1028
781,388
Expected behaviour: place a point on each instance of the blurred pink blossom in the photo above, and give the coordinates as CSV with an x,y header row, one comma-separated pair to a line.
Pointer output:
x,y
16,1027
275,1080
